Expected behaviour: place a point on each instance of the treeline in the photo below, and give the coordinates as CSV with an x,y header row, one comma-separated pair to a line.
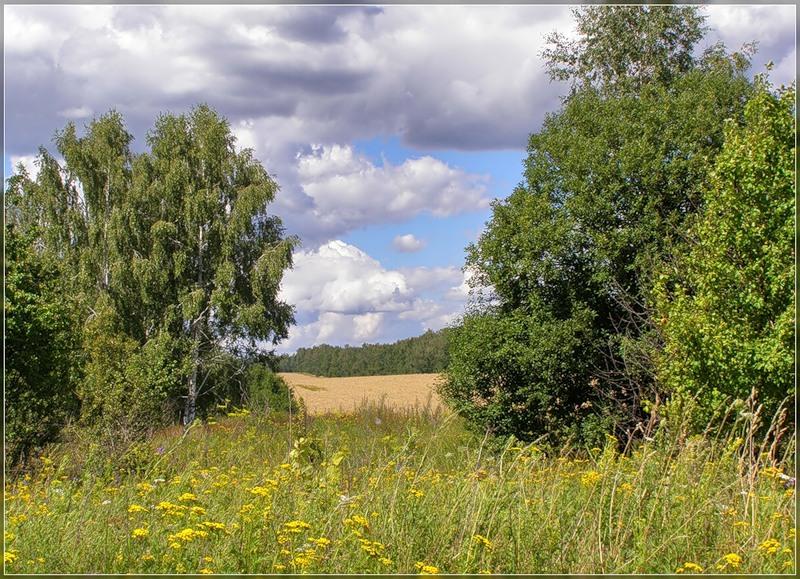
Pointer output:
x,y
139,286
422,354
642,274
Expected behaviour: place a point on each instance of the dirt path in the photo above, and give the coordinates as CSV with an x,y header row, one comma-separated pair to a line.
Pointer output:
x,y
346,394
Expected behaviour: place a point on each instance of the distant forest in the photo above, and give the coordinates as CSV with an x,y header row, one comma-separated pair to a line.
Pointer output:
x,y
422,354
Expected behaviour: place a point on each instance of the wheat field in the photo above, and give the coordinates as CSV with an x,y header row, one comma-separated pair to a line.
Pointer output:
x,y
322,395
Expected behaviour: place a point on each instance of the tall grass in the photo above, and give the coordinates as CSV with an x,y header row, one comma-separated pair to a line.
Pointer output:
x,y
385,491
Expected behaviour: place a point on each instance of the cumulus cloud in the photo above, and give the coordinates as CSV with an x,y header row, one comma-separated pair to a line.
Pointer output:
x,y
344,296
347,190
408,243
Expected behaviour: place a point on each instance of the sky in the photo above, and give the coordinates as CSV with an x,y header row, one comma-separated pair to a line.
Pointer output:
x,y
390,129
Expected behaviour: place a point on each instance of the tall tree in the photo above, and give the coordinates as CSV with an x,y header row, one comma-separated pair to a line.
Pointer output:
x,y
569,255
171,255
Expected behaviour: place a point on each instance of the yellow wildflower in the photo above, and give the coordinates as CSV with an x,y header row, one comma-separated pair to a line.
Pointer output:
x,y
385,561
426,569
144,488
136,509
198,511
481,540
9,557
693,567
769,547
206,571
187,497
296,526
589,478
730,560
148,557
279,566
140,533
415,492
9,536
214,526
208,559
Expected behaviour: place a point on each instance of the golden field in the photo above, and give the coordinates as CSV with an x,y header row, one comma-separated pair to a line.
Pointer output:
x,y
322,395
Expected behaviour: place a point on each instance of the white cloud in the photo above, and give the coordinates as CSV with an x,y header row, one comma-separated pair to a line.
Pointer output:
x,y
348,191
344,296
408,243
76,113
341,278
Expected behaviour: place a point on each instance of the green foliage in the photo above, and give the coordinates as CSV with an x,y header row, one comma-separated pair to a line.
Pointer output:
x,y
266,391
609,179
41,348
725,300
128,390
621,47
422,354
170,259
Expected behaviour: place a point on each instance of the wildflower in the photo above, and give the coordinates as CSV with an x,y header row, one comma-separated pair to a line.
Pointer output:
x,y
590,478
321,542
415,492
626,487
730,560
769,547
693,567
136,509
741,524
188,535
140,533
106,502
9,536
296,526
385,561
214,526
148,557
357,521
279,566
187,497
481,540
198,511
144,488
208,559
261,491
425,569
9,557
206,571
175,545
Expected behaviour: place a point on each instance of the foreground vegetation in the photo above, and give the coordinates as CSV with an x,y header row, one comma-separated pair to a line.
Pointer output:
x,y
386,491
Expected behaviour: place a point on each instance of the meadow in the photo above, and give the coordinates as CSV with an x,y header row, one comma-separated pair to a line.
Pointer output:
x,y
392,490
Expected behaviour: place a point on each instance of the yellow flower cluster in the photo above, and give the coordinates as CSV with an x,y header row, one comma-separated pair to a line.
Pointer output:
x,y
590,478
769,547
140,533
689,567
188,535
731,560
426,568
481,540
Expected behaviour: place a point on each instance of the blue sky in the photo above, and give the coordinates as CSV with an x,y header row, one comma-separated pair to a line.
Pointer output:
x,y
389,129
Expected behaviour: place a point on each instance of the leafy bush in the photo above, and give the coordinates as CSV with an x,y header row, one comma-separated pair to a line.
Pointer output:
x,y
41,343
726,299
266,391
